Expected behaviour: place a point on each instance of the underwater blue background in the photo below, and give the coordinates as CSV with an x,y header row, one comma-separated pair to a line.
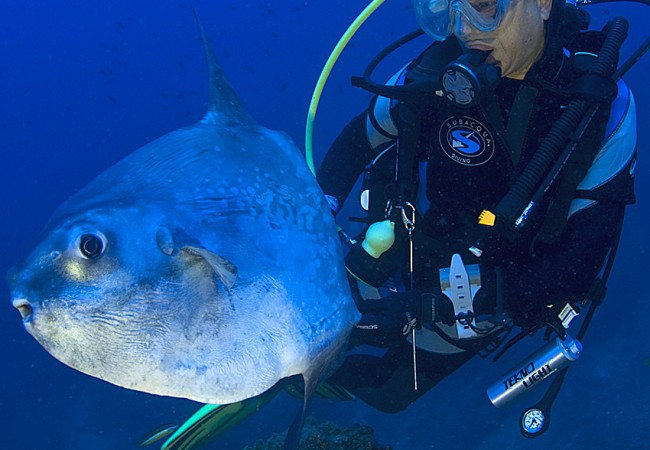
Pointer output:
x,y
84,83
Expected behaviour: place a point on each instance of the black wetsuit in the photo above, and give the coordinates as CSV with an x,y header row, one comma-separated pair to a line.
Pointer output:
x,y
466,160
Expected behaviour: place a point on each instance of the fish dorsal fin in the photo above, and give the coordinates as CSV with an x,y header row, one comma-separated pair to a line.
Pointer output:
x,y
225,106
225,270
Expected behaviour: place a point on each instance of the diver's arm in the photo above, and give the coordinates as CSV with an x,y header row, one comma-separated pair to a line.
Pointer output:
x,y
568,268
345,160
564,271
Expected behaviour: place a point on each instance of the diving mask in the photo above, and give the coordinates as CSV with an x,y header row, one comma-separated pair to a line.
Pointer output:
x,y
441,18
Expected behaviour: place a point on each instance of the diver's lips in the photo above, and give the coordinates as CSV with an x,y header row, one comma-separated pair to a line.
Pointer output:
x,y
478,45
24,308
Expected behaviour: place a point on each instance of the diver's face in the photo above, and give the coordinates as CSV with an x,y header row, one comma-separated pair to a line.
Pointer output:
x,y
518,41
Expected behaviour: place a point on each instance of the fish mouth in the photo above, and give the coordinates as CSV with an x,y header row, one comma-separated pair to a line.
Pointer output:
x,y
24,308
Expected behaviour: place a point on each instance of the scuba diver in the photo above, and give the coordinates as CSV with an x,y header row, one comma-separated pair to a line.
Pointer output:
x,y
496,168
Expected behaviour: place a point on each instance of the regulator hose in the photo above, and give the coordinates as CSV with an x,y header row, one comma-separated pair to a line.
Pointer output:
x,y
514,204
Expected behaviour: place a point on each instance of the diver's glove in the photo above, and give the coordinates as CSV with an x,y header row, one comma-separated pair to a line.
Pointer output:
x,y
386,321
370,270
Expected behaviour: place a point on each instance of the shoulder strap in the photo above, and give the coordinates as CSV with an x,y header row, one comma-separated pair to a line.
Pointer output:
x,y
519,121
514,135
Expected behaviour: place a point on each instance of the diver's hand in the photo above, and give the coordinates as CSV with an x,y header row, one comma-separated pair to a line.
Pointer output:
x,y
371,270
385,322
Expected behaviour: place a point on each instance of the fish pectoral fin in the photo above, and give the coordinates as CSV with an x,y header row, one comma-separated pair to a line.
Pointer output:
x,y
225,270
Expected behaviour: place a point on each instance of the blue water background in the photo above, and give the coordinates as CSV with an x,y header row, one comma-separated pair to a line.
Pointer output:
x,y
84,83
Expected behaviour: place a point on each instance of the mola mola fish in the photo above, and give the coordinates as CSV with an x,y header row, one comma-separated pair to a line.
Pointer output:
x,y
205,265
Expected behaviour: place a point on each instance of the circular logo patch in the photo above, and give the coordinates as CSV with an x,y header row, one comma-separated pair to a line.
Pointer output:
x,y
466,141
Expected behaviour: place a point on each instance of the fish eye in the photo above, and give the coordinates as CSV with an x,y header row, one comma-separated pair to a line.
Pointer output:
x,y
91,245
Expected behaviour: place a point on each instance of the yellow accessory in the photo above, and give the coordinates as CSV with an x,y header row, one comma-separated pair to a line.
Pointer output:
x,y
487,218
379,238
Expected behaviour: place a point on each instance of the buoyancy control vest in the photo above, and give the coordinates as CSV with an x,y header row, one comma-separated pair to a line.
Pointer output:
x,y
453,139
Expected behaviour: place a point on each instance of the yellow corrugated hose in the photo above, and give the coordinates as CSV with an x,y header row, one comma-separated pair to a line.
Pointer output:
x,y
325,73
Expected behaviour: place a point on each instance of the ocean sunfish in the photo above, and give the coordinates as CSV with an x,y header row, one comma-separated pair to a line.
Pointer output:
x,y
205,265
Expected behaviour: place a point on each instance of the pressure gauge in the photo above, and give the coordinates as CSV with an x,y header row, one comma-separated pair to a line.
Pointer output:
x,y
532,422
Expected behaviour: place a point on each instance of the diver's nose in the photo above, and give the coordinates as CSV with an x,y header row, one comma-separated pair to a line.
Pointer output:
x,y
462,26
24,308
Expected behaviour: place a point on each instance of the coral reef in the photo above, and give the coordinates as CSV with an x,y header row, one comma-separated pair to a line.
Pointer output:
x,y
326,436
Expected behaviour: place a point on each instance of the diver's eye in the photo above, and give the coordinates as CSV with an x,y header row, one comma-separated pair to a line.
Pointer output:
x,y
91,245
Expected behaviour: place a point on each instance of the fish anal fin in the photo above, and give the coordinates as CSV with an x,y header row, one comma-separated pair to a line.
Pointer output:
x,y
292,441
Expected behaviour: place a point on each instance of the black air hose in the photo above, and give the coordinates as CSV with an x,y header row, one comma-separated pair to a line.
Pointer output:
x,y
514,203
